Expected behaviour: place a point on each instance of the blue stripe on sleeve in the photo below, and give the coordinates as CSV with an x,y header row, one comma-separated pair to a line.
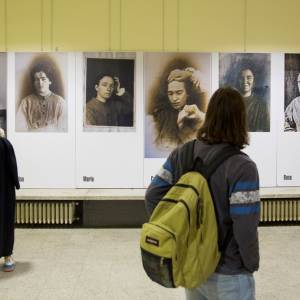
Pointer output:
x,y
245,186
247,209
167,165
158,181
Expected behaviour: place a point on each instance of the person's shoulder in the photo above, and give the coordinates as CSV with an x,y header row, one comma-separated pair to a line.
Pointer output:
x,y
149,120
182,152
241,162
57,97
29,98
6,142
295,102
184,147
257,98
92,103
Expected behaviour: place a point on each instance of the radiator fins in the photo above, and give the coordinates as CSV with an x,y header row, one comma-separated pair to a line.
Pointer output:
x,y
64,212
280,210
48,213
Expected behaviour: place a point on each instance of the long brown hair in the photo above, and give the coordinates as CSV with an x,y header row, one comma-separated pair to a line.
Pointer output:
x,y
225,120
164,115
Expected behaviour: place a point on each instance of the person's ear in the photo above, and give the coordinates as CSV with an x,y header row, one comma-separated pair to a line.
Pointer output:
x,y
96,87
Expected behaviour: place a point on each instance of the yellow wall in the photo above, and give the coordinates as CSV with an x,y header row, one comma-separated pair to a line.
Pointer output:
x,y
150,25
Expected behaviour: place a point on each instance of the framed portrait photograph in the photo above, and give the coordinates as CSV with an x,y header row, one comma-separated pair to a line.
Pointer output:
x,y
41,93
249,73
177,87
3,82
109,92
292,92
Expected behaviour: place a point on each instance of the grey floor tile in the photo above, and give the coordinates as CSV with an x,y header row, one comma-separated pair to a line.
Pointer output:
x,y
105,264
19,293
56,294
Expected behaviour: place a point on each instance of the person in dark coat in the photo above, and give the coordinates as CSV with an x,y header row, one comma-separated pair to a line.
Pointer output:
x,y
8,182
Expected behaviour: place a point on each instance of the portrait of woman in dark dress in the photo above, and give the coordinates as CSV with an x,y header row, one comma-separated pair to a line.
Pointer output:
x,y
250,75
109,99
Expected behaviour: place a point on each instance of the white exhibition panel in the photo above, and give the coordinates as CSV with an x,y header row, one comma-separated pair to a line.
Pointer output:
x,y
112,158
288,162
263,145
45,159
288,173
262,150
155,66
3,81
151,167
116,158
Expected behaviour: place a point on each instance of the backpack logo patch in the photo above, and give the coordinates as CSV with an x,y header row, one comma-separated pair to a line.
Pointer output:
x,y
152,241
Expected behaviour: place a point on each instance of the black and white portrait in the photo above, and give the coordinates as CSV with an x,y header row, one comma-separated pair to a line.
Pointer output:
x,y
109,93
3,91
177,86
41,103
292,92
250,74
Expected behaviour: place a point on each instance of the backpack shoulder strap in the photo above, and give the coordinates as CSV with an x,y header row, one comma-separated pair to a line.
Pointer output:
x,y
208,169
221,157
187,157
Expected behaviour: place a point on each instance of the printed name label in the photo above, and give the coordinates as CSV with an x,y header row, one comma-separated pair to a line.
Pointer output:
x,y
287,177
88,179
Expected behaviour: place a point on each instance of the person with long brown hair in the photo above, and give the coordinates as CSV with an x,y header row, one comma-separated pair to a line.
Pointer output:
x,y
176,110
234,188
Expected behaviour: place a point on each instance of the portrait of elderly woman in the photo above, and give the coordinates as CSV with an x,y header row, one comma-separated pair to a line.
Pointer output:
x,y
250,74
292,92
109,93
176,103
43,108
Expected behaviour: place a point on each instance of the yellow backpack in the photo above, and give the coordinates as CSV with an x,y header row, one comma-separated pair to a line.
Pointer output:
x,y
179,244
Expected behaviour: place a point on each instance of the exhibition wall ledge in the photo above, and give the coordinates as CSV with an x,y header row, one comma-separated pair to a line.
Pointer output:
x,y
119,208
129,194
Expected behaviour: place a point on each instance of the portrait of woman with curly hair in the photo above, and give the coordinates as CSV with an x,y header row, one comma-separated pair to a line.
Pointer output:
x,y
41,105
176,105
249,73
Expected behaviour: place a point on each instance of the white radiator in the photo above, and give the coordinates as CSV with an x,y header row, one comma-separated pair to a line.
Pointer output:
x,y
280,210
45,212
60,213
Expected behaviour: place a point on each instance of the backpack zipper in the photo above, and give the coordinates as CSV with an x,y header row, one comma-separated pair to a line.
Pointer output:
x,y
161,263
188,210
181,201
188,186
163,228
199,214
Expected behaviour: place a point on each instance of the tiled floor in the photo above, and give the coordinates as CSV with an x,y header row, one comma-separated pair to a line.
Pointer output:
x,y
105,264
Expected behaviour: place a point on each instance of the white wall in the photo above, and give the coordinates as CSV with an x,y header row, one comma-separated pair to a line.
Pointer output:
x,y
116,159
